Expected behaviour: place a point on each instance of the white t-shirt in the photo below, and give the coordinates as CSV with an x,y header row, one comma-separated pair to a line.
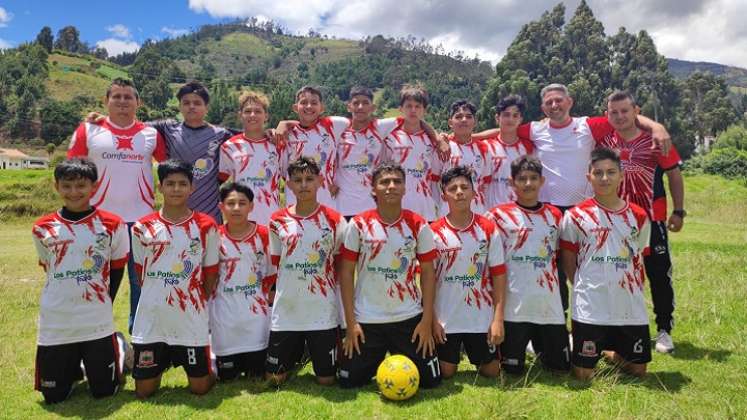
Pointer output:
x,y
123,158
467,260
239,308
608,288
386,289
530,242
500,156
303,250
255,163
473,155
76,257
172,259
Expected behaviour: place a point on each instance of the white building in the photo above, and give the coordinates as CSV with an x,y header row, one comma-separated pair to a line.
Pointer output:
x,y
16,159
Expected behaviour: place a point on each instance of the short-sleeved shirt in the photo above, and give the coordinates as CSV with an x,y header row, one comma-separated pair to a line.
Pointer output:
x,y
123,158
303,250
530,242
500,156
467,260
255,163
240,308
77,257
386,288
608,286
473,155
173,259
643,170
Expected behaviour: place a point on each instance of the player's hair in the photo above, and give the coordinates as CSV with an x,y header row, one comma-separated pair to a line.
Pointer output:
x,y
558,87
122,82
620,95
255,97
526,163
194,87
75,168
604,153
456,172
387,167
239,187
415,93
174,166
509,101
361,91
303,164
462,104
309,89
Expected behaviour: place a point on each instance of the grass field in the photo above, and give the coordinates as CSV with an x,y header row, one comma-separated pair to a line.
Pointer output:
x,y
705,378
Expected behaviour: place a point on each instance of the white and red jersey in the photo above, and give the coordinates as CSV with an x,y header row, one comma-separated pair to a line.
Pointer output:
x,y
565,152
500,156
418,156
358,153
239,308
77,257
608,286
530,242
473,155
124,160
643,170
467,261
172,260
320,143
303,249
255,163
386,289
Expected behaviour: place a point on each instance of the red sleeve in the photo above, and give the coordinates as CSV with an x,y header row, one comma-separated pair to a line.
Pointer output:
x,y
268,282
428,256
527,144
498,270
348,254
600,127
160,153
79,145
670,161
120,263
210,269
569,246
525,131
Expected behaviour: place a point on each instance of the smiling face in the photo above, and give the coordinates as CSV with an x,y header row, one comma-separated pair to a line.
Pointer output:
x,y
605,177
309,107
75,193
122,102
193,109
557,106
622,114
389,188
361,108
253,116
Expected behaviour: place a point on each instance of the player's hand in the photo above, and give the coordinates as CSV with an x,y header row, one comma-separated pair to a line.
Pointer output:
x,y
661,141
353,334
270,134
443,148
424,337
333,190
95,117
674,224
495,333
439,334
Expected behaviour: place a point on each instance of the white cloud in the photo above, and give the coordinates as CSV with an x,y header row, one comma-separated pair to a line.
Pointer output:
x,y
117,46
5,17
4,45
119,31
173,32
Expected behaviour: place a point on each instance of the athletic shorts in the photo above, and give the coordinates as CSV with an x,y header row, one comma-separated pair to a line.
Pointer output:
x,y
58,368
631,342
476,346
152,359
286,350
250,363
550,342
395,338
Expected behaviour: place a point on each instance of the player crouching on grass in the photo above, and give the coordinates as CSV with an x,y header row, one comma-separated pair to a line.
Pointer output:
x,y
82,250
603,240
470,280
176,256
240,306
304,240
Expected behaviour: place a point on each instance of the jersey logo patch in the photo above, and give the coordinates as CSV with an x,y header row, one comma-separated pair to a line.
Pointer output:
x,y
589,348
124,143
146,359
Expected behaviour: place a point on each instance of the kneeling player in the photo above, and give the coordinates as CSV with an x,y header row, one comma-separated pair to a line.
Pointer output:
x,y
304,239
529,231
239,308
383,310
470,281
603,240
82,249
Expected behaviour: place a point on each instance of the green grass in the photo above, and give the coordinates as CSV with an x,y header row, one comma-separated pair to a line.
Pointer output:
x,y
704,378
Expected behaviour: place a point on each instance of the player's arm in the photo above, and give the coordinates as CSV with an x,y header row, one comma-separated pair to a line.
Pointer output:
x,y
441,143
496,332
423,331
115,279
354,333
486,134
677,191
283,130
659,133
210,260
568,263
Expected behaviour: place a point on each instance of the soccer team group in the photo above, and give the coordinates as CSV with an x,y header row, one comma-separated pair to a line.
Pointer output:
x,y
393,239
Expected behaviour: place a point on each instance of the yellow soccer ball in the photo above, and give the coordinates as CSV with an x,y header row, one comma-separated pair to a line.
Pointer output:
x,y
398,377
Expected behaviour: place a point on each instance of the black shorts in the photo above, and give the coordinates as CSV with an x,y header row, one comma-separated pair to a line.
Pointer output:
x,y
58,368
395,338
152,359
550,341
476,346
287,347
631,342
250,363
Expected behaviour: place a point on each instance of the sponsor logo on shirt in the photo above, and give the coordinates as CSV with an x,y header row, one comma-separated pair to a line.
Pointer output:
x,y
180,270
89,267
124,143
202,167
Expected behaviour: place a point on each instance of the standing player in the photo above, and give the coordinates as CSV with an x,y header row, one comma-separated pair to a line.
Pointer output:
x,y
81,249
529,231
176,255
470,281
304,239
251,158
123,150
384,310
603,240
642,184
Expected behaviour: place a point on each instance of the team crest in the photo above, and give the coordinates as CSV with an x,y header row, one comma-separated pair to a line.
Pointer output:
x,y
146,359
589,348
124,143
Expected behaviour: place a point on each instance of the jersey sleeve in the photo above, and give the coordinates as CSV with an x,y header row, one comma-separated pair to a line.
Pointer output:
x,y
78,143
671,160
600,127
385,126
426,248
225,163
339,125
644,237
212,250
351,243
496,261
525,131
41,251
160,153
120,246
569,235
275,246
138,250
339,235
268,267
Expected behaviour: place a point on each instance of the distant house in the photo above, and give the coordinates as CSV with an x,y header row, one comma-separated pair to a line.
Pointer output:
x,y
16,159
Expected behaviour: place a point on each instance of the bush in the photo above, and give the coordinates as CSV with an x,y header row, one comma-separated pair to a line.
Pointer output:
x,y
727,162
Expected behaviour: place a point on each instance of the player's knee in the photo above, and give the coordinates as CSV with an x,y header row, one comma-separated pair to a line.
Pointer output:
x,y
448,369
325,380
636,369
583,374
145,389
276,378
490,370
103,392
201,387
56,395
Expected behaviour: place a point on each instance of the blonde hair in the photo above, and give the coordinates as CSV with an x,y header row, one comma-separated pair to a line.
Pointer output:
x,y
252,96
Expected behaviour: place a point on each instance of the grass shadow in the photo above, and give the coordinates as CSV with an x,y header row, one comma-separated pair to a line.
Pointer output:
x,y
81,404
670,382
688,351
305,383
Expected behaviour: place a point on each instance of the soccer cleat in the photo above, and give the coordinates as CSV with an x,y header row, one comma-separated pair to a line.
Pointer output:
x,y
664,343
127,353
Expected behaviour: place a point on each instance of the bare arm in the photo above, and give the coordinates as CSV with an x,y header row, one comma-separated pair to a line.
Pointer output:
x,y
354,333
423,332
208,285
486,134
659,133
677,191
568,262
496,332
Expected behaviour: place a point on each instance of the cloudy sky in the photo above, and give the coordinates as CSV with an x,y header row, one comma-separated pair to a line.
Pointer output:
x,y
698,30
